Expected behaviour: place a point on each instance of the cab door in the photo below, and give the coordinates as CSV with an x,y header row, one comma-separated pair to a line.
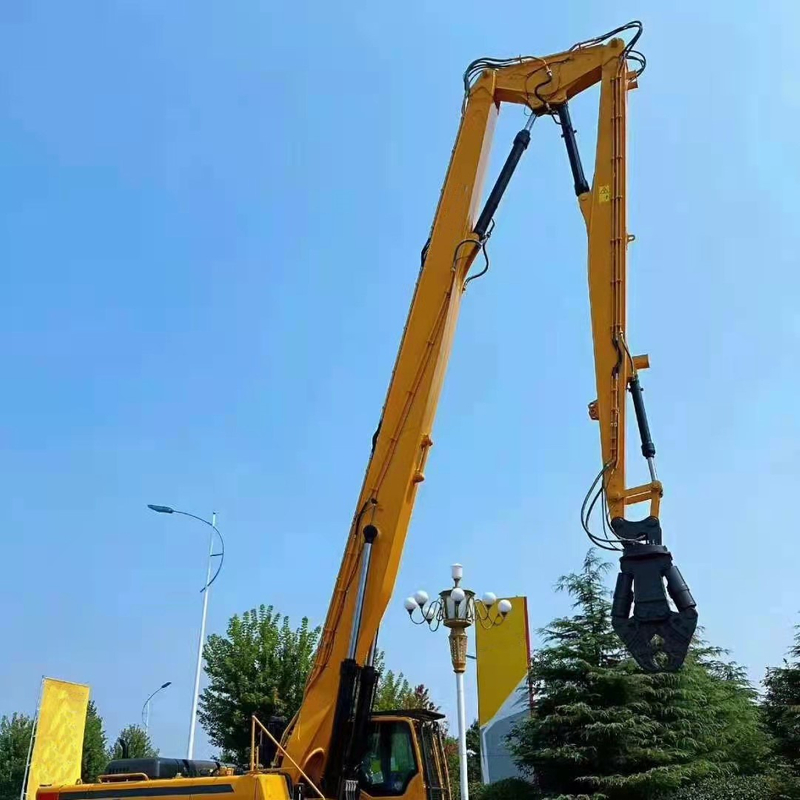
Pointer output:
x,y
392,767
437,782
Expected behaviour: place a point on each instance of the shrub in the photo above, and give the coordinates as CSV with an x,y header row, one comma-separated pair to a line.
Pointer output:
x,y
507,789
753,787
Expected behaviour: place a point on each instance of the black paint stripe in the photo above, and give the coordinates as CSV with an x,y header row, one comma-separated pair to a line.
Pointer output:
x,y
161,791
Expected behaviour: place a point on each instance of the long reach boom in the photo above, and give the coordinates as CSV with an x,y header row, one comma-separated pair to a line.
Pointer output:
x,y
326,738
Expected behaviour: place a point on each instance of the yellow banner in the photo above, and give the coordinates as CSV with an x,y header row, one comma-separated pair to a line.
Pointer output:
x,y
502,656
58,746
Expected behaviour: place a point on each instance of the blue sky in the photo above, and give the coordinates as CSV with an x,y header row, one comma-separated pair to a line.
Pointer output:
x,y
211,225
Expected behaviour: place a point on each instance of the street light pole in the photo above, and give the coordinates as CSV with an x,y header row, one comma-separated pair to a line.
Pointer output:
x,y
457,609
198,669
204,590
146,707
462,736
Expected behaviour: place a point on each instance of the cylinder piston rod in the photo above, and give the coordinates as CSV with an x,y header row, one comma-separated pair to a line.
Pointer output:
x,y
568,132
370,533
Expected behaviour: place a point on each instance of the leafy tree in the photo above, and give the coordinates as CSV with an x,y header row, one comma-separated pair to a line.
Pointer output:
x,y
603,729
781,705
738,787
260,667
138,741
394,691
15,738
781,710
452,760
420,697
95,755
474,753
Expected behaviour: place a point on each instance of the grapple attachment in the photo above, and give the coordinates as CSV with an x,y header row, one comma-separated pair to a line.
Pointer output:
x,y
657,637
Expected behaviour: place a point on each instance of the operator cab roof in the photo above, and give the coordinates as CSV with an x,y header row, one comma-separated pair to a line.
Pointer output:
x,y
421,714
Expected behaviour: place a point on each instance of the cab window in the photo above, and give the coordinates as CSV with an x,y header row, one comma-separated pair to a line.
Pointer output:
x,y
390,763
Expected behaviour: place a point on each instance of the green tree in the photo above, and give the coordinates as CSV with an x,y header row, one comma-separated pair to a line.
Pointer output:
x,y
394,691
420,697
138,741
451,757
474,753
509,789
95,746
781,705
781,710
15,737
737,787
259,667
603,729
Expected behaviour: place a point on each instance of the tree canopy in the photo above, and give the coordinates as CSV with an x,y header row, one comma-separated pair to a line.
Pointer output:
x,y
138,741
259,667
15,738
394,690
782,703
781,707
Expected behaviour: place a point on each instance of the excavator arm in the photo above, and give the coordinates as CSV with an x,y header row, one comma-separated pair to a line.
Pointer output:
x,y
326,738
657,636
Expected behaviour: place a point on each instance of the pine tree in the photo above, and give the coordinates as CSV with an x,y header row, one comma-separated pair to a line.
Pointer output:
x,y
781,710
603,729
782,705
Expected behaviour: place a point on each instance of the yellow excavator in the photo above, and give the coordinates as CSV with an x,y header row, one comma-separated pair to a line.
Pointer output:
x,y
335,747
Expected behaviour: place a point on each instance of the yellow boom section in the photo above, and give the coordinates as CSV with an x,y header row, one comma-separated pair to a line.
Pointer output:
x,y
397,465
604,208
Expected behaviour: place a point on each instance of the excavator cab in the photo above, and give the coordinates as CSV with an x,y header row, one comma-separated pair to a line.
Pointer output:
x,y
405,757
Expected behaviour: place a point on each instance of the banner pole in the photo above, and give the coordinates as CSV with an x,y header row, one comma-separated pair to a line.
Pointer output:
x,y
30,744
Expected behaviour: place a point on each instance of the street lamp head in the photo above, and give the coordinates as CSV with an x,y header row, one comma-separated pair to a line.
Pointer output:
x,y
504,607
410,604
457,572
430,613
161,509
421,597
457,595
489,599
168,683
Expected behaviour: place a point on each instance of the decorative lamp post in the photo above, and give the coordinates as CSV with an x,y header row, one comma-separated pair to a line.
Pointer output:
x,y
457,609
